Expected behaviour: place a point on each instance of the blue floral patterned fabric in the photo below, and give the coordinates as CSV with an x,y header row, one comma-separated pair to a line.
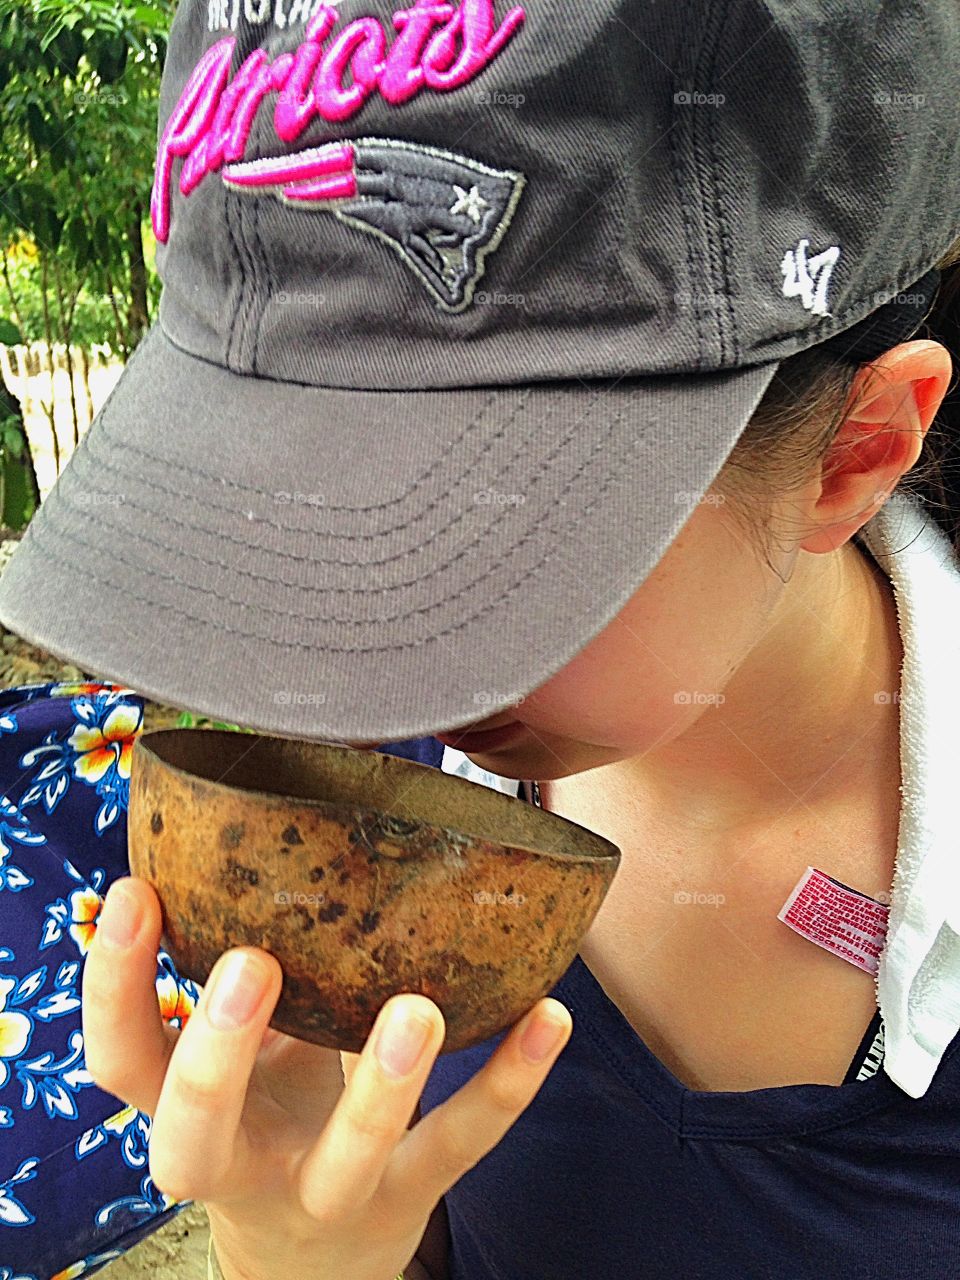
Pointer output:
x,y
75,1187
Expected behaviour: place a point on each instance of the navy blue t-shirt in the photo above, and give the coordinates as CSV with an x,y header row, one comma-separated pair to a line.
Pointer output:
x,y
618,1171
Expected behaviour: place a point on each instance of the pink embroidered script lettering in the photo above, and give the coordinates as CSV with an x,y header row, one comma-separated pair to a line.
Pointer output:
x,y
437,47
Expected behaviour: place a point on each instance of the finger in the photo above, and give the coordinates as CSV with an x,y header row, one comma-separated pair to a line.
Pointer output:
x,y
125,1044
193,1141
343,1168
452,1137
348,1065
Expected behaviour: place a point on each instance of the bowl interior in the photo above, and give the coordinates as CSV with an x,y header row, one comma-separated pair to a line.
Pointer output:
x,y
347,777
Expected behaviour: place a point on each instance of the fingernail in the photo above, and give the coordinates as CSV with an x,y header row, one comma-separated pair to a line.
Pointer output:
x,y
401,1041
540,1037
120,918
236,994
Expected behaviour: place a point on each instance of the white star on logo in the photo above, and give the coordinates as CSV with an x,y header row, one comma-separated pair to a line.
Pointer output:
x,y
469,202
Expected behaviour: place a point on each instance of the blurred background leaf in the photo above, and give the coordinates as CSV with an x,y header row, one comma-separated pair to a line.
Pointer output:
x,y
79,88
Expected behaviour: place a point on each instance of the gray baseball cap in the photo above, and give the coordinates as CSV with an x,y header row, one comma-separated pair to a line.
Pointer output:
x,y
464,308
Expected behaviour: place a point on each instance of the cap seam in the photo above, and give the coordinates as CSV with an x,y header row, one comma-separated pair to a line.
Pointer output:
x,y
675,133
245,317
607,380
266,292
237,256
725,252
705,159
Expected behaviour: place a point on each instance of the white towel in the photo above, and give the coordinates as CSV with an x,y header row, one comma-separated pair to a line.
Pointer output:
x,y
462,766
918,983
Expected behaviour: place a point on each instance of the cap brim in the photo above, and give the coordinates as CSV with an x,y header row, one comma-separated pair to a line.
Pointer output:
x,y
366,565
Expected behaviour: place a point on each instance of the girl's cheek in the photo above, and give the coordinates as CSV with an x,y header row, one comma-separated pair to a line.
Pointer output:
x,y
676,641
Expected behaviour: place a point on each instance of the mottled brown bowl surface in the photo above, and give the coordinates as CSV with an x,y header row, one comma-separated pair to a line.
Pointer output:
x,y
365,875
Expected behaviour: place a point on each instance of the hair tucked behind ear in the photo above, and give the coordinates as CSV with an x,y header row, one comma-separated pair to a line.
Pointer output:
x,y
804,406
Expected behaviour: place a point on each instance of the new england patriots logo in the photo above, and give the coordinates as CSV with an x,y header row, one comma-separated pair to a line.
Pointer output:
x,y
442,213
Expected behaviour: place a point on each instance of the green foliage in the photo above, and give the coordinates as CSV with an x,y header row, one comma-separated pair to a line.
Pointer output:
x,y
68,24
93,321
187,720
18,484
19,500
78,103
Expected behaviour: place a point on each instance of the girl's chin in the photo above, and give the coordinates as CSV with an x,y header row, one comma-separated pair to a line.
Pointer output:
x,y
486,741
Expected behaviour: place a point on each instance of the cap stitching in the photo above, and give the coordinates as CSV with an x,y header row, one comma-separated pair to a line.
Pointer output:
x,y
705,162
716,171
209,475
236,257
34,538
266,281
243,488
283,555
683,28
250,270
167,548
117,443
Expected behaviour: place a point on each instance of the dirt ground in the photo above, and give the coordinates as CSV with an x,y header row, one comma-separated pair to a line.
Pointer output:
x,y
178,1250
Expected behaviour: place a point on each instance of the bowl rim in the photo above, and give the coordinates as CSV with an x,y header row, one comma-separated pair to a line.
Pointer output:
x,y
606,850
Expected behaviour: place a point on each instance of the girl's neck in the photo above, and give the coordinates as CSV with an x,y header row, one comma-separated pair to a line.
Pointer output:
x,y
809,725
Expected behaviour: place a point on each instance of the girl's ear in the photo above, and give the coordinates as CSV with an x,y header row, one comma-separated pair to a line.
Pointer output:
x,y
891,405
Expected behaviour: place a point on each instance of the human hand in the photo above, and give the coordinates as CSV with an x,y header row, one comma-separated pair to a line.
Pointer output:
x,y
302,1156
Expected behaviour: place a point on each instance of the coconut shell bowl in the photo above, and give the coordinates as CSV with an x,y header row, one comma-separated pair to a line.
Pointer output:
x,y
365,875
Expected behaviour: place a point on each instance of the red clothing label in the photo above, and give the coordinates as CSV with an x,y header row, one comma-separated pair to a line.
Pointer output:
x,y
837,918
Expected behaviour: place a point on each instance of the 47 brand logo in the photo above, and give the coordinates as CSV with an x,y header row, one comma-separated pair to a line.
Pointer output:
x,y
809,278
